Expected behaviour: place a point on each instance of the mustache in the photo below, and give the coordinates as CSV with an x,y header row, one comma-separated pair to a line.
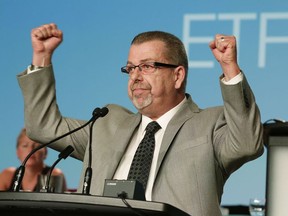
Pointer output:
x,y
140,86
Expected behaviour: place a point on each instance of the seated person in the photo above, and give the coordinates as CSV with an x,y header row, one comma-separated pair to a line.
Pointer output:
x,y
35,166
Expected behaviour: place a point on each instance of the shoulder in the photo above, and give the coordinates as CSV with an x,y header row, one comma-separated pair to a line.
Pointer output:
x,y
118,113
117,108
8,171
57,171
6,177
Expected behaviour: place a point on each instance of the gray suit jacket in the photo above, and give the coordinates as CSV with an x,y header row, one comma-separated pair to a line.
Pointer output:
x,y
199,151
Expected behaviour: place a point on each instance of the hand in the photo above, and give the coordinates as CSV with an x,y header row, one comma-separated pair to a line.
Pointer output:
x,y
224,50
45,39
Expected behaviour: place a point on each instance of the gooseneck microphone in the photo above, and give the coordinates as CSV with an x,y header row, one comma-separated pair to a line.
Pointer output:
x,y
97,112
63,155
88,172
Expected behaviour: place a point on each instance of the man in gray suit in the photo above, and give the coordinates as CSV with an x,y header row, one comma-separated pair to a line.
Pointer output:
x,y
196,150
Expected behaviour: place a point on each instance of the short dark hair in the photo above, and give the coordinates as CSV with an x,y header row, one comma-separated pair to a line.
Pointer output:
x,y
176,52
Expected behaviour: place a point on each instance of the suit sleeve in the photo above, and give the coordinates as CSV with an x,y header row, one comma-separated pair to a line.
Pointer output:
x,y
43,120
238,134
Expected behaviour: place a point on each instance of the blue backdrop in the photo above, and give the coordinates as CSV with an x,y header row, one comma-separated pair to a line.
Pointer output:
x,y
97,36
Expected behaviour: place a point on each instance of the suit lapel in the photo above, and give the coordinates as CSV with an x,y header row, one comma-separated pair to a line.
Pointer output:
x,y
186,112
125,132
122,137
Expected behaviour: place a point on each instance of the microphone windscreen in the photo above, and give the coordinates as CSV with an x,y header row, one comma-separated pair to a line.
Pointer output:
x,y
66,152
104,111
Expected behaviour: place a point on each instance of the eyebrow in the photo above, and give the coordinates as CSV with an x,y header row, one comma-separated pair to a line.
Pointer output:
x,y
142,61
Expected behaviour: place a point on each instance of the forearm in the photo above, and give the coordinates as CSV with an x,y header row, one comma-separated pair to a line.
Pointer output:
x,y
243,134
43,119
41,59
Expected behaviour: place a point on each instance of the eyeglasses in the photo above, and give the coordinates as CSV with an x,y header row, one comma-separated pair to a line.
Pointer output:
x,y
147,67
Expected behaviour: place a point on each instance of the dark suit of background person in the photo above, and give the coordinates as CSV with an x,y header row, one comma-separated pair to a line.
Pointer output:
x,y
200,148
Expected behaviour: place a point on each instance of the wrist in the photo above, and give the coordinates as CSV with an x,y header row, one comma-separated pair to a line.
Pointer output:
x,y
231,71
41,60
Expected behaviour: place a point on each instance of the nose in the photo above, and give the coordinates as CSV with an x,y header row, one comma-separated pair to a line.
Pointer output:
x,y
33,145
136,75
29,148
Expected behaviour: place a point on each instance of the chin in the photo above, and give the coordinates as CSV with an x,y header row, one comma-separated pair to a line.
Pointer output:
x,y
141,103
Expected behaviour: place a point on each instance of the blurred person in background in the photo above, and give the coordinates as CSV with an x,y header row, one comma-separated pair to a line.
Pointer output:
x,y
35,166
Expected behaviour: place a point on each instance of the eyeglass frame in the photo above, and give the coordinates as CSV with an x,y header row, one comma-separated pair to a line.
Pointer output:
x,y
155,65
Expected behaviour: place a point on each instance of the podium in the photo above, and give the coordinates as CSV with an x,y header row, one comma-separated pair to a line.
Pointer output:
x,y
276,141
43,204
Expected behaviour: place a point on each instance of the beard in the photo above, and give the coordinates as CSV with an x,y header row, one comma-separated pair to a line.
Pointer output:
x,y
140,103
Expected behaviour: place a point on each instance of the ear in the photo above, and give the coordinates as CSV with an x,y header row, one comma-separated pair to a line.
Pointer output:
x,y
179,76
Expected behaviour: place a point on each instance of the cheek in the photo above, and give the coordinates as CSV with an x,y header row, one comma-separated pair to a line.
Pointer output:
x,y
160,86
40,155
129,88
19,154
22,153
22,156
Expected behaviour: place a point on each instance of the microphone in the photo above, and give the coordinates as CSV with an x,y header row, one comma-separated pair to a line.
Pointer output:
x,y
274,120
63,155
97,112
88,172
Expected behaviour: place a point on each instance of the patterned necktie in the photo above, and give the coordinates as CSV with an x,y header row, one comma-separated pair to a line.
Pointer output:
x,y
141,164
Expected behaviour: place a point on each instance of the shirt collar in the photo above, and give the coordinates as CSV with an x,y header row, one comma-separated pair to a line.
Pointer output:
x,y
163,120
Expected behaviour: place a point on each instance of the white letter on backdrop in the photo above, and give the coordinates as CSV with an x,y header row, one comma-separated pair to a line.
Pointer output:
x,y
236,18
265,39
187,39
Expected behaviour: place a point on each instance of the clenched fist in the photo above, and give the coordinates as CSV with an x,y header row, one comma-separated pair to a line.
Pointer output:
x,y
224,50
45,39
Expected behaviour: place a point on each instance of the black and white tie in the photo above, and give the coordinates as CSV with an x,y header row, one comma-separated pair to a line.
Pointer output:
x,y
141,164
